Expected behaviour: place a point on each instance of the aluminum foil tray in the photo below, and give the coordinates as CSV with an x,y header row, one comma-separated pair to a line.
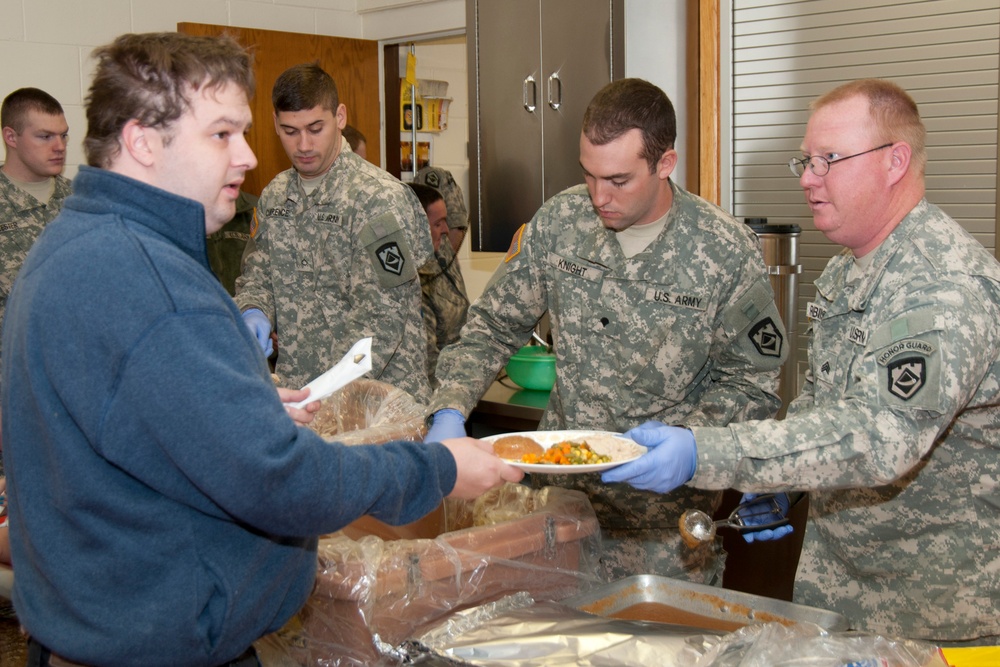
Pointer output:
x,y
647,592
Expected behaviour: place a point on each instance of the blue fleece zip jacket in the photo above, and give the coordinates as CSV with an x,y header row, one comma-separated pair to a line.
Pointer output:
x,y
163,504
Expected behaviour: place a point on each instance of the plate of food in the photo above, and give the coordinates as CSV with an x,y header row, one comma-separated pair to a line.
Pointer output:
x,y
565,452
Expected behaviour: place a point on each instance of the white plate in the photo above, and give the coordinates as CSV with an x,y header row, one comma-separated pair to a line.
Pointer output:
x,y
618,447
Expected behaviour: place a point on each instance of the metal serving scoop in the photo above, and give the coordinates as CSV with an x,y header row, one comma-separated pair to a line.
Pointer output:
x,y
697,527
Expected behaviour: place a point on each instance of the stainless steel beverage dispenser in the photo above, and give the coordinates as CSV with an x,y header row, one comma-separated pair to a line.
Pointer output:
x,y
780,246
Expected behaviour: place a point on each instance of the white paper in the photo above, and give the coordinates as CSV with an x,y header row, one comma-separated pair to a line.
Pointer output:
x,y
355,363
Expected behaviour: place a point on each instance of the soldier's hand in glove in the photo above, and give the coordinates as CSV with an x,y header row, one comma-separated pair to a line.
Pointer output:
x,y
445,424
260,327
751,518
669,463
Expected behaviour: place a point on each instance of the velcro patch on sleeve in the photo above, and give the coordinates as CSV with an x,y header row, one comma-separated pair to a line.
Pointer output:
x,y
387,248
515,245
755,319
908,360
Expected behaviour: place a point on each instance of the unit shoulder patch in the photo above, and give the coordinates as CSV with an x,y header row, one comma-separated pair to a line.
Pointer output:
x,y
910,371
766,338
391,258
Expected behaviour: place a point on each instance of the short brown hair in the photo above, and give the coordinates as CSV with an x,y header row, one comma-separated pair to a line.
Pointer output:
x,y
632,104
893,112
354,136
149,78
15,108
426,194
303,87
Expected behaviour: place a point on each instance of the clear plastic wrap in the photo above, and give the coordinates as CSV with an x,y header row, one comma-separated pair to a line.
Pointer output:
x,y
808,645
372,594
516,631
520,633
369,412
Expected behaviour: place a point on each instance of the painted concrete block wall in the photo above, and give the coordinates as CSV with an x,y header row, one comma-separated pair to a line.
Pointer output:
x,y
47,44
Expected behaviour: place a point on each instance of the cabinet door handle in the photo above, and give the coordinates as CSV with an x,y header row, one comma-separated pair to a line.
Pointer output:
x,y
529,81
555,91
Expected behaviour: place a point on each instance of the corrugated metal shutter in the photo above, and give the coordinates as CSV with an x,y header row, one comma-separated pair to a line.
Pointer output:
x,y
785,54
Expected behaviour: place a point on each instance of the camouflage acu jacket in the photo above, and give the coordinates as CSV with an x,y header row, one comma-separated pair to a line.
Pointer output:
x,y
684,332
897,432
338,265
445,303
22,219
226,246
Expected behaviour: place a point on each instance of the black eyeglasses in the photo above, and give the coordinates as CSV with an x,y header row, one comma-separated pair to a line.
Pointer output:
x,y
820,166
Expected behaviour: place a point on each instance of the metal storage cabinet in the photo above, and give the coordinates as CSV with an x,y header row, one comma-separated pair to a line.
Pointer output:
x,y
534,65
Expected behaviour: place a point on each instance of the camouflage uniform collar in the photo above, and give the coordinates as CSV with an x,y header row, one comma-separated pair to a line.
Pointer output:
x,y
603,247
327,183
840,265
11,193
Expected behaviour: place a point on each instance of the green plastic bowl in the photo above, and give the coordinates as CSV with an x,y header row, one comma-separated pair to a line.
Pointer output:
x,y
532,367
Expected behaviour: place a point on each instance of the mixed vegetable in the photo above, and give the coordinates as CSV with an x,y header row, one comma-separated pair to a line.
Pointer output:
x,y
568,453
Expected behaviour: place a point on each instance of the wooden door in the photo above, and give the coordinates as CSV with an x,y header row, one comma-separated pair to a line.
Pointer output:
x,y
353,64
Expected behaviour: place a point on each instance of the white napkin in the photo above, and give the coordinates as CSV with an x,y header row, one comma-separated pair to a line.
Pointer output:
x,y
355,363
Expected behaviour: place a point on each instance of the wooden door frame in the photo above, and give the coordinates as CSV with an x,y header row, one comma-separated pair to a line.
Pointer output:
x,y
704,106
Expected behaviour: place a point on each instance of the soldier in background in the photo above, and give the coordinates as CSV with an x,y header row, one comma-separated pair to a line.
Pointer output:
x,y
226,246
32,187
32,191
445,301
660,307
458,215
896,433
357,140
337,249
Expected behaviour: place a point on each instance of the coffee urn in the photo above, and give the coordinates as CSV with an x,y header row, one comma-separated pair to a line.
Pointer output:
x,y
780,246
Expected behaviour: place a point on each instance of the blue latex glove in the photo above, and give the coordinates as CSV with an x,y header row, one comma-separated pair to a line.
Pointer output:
x,y
770,533
445,424
260,327
669,463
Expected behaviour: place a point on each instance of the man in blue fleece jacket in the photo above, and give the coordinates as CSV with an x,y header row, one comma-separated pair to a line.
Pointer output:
x,y
164,500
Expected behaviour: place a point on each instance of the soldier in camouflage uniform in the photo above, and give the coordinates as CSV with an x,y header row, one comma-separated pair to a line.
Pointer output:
x,y
336,252
660,307
458,215
227,245
32,191
445,302
897,431
32,187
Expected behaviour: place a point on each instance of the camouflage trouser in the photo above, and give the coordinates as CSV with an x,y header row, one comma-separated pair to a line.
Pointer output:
x,y
661,552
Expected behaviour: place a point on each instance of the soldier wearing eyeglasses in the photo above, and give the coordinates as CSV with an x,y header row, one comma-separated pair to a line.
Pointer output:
x,y
896,433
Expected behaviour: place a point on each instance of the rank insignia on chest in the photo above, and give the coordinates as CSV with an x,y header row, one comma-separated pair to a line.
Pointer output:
x,y
391,258
766,338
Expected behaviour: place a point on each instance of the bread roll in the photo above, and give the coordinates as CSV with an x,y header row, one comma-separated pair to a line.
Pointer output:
x,y
513,447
